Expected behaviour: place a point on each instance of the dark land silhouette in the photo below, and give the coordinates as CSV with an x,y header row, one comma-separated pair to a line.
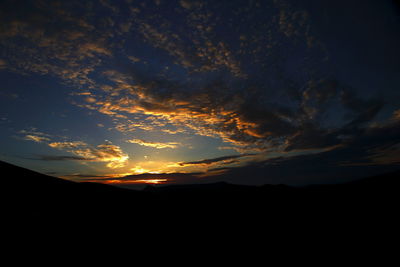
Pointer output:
x,y
34,196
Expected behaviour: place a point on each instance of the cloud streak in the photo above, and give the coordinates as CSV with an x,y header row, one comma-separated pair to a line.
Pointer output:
x,y
219,160
60,158
157,145
35,138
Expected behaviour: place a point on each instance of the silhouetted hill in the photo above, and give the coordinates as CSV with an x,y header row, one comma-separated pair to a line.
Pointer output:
x,y
37,184
34,194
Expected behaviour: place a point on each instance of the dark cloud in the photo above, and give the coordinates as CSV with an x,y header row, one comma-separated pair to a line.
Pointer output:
x,y
363,110
267,121
215,160
82,177
60,158
312,137
242,113
373,151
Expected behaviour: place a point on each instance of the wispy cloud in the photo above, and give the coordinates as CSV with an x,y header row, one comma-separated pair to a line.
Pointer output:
x,y
32,134
223,160
36,138
3,64
396,115
107,152
59,158
157,145
112,154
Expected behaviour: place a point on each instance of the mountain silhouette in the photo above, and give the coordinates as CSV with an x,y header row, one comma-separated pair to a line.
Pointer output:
x,y
37,195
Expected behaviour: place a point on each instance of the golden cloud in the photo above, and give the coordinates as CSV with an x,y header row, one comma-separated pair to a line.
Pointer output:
x,y
67,145
155,167
102,153
157,145
36,138
3,64
396,115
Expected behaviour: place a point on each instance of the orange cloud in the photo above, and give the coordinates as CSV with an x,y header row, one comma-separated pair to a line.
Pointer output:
x,y
112,154
396,115
3,64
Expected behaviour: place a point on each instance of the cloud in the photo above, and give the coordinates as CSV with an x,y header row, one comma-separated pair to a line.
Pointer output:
x,y
239,89
230,104
89,49
36,138
312,137
376,150
157,145
223,160
396,115
3,64
373,150
239,114
67,145
57,40
109,153
385,155
186,4
60,158
87,176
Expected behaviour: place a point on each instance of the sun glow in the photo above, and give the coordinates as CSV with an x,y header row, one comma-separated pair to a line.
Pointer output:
x,y
141,181
152,181
155,167
139,170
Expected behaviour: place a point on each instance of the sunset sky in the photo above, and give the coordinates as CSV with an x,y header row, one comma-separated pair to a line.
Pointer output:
x,y
163,91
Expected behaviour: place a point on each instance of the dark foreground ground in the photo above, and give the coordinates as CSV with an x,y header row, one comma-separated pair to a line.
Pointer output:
x,y
44,214
32,197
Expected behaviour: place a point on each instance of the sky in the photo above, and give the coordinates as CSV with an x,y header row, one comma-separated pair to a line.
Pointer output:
x,y
253,92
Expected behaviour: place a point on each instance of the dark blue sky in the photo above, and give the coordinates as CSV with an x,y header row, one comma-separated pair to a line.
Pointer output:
x,y
250,92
